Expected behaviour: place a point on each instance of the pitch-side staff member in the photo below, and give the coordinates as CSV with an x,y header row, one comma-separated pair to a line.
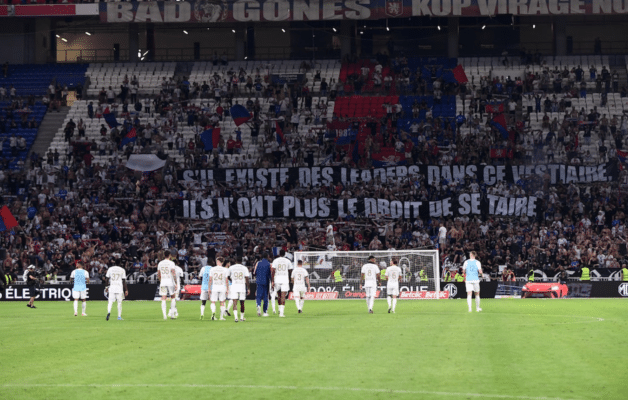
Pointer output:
x,y
31,280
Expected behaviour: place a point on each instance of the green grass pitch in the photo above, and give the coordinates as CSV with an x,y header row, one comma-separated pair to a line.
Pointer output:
x,y
432,349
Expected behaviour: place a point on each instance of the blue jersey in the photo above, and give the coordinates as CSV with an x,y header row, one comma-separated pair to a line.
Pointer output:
x,y
262,272
205,275
472,267
80,280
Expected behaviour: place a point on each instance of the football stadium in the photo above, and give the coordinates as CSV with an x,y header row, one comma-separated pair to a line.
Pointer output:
x,y
351,199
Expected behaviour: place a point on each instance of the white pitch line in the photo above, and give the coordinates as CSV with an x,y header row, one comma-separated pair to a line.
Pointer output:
x,y
269,387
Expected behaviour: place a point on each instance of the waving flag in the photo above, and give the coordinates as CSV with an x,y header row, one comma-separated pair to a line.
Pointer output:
x,y
622,155
210,138
110,119
8,220
502,153
240,114
499,123
356,152
280,137
495,108
388,157
131,136
459,74
347,138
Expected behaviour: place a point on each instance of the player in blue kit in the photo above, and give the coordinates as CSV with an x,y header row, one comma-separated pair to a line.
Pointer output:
x,y
473,269
80,279
262,277
205,274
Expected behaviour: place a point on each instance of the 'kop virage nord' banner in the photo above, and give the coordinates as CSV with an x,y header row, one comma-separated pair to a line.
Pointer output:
x,y
208,11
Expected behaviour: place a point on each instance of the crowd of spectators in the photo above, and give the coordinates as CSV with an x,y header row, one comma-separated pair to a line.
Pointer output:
x,y
70,208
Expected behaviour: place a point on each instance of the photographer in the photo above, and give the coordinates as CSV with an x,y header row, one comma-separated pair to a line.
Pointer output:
x,y
3,276
32,281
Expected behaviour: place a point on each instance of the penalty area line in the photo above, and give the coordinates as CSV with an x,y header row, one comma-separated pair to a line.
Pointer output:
x,y
278,387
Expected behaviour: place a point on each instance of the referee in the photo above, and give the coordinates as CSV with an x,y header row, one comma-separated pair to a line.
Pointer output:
x,y
31,280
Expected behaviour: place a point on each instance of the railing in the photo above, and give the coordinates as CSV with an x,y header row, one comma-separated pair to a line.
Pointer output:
x,y
168,54
91,55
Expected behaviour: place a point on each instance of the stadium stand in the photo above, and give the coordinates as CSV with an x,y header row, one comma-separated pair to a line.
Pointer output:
x,y
150,76
34,79
423,115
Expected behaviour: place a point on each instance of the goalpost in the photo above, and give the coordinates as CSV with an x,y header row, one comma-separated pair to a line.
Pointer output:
x,y
420,270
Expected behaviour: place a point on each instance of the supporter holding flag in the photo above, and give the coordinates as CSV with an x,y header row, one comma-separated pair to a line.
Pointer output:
x,y
459,75
499,122
7,220
279,131
240,114
495,108
110,118
210,138
130,137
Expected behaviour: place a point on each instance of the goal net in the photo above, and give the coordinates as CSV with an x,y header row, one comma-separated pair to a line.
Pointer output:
x,y
420,269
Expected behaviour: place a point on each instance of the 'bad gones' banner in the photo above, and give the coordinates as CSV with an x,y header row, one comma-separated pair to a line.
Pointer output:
x,y
215,11
322,207
424,174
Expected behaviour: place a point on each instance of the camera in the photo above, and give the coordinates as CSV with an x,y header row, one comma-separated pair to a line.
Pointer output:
x,y
40,277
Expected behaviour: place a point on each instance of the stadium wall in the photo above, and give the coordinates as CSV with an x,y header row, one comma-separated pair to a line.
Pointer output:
x,y
330,291
64,292
25,41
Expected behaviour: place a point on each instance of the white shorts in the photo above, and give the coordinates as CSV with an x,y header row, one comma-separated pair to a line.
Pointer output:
x,y
113,297
79,295
237,295
473,286
204,294
299,292
167,290
370,291
282,287
392,290
218,295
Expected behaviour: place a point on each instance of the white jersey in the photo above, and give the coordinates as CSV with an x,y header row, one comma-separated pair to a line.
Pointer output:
x,y
299,274
238,274
116,275
281,265
393,273
179,274
370,272
166,268
219,275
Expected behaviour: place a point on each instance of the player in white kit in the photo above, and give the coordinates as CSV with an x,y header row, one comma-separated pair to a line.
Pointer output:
x,y
80,279
300,279
116,279
167,280
273,297
370,281
280,278
178,271
218,288
392,288
239,288
472,269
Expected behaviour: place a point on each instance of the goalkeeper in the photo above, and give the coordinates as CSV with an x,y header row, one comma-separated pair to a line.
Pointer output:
x,y
473,269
